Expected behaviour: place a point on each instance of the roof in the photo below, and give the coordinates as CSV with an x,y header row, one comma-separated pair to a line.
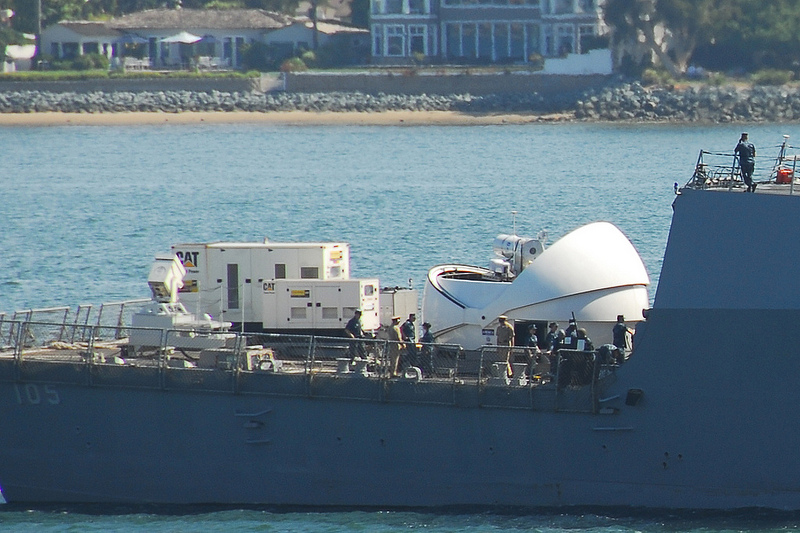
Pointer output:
x,y
89,28
154,19
332,28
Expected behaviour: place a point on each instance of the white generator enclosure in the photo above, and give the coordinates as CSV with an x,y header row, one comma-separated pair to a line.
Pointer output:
x,y
227,279
398,301
320,306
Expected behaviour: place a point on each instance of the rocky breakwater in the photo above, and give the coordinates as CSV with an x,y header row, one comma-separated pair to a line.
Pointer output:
x,y
633,102
619,102
178,101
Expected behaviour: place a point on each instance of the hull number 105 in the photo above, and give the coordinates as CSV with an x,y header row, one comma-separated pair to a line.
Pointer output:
x,y
32,394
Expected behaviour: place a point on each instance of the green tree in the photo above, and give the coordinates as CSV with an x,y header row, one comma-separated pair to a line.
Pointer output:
x,y
672,29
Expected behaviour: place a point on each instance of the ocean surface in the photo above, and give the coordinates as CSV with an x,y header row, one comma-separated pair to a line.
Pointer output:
x,y
84,209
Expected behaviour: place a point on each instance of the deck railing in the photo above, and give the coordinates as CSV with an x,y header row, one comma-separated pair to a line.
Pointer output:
x,y
299,366
723,170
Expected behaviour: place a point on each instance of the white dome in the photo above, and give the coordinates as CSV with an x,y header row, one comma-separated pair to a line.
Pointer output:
x,y
593,272
591,258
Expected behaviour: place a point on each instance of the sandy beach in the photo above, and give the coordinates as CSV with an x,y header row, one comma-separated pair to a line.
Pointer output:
x,y
298,118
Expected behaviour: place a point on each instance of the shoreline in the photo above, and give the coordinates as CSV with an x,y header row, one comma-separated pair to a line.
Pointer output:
x,y
287,118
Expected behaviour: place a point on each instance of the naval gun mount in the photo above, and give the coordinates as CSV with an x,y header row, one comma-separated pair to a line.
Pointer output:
x,y
166,322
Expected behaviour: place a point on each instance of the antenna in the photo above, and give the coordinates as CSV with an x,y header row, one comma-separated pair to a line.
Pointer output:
x,y
514,221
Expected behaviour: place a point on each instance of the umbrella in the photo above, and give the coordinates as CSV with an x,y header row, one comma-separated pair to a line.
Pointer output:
x,y
130,38
183,37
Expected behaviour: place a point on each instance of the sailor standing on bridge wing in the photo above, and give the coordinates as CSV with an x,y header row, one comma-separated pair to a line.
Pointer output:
x,y
747,161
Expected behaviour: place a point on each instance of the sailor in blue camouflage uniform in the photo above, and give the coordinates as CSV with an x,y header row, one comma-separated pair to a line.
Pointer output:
x,y
409,334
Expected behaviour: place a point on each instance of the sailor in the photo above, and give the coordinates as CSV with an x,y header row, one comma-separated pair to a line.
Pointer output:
x,y
583,341
532,357
353,330
552,335
621,335
409,334
747,162
609,354
570,336
395,345
505,340
558,343
427,340
572,329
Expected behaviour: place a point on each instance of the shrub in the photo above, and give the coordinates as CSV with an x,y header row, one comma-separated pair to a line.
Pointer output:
x,y
309,58
293,64
259,56
717,79
771,77
652,76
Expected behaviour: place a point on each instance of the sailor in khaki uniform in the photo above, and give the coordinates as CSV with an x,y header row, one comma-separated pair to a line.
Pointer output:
x,y
505,340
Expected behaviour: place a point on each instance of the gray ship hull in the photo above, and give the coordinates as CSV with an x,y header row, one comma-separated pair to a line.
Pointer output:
x,y
702,416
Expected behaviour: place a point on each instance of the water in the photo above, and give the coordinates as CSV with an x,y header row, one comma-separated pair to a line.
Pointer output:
x,y
83,210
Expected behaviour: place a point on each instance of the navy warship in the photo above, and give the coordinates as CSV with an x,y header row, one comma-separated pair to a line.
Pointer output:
x,y
698,415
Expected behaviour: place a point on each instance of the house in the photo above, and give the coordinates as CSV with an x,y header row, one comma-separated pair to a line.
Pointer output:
x,y
300,35
170,37
223,32
69,39
485,31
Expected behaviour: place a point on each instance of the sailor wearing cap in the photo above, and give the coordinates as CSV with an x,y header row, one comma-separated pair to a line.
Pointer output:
x,y
505,340
747,161
552,335
353,330
409,333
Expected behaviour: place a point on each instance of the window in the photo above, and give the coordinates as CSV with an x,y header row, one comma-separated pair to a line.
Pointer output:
x,y
395,41
468,40
417,39
501,47
485,40
589,40
453,40
562,6
533,41
517,42
233,286
91,48
280,271
309,272
416,6
394,6
70,50
566,40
